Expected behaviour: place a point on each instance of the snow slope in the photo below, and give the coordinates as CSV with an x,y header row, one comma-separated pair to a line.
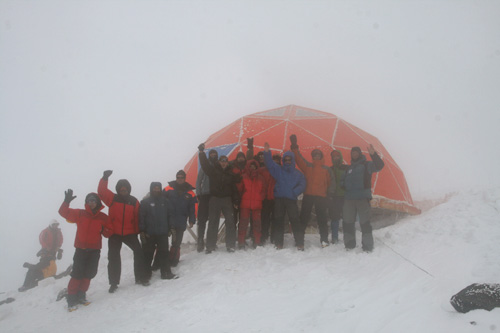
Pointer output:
x,y
403,286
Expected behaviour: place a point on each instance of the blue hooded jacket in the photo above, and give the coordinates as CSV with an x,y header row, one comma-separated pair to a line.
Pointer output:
x,y
290,182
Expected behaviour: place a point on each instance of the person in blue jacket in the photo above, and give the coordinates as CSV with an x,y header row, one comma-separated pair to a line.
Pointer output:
x,y
290,183
154,225
181,196
357,182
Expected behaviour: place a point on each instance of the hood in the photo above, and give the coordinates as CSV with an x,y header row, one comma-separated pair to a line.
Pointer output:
x,y
321,161
288,168
251,172
123,182
99,202
216,155
341,158
154,184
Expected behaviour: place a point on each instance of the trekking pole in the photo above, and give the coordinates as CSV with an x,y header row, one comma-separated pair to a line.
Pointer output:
x,y
408,260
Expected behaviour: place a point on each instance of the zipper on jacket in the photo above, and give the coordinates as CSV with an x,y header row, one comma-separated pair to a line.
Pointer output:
x,y
123,218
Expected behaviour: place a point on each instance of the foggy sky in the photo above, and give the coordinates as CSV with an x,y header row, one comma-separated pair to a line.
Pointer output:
x,y
135,86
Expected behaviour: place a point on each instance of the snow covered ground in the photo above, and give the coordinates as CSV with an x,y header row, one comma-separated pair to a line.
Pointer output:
x,y
403,286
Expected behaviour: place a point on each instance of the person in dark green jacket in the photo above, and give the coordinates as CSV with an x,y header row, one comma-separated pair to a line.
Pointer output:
x,y
336,199
357,184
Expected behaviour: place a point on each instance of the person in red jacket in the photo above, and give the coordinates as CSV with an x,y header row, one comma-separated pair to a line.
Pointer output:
x,y
51,240
124,216
91,225
253,192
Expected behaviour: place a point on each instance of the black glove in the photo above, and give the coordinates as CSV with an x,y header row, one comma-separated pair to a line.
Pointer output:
x,y
201,147
250,143
68,196
293,140
39,253
59,254
106,174
27,265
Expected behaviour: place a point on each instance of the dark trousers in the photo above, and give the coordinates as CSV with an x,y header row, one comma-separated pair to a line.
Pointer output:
x,y
335,208
160,244
218,205
267,216
175,249
115,262
321,206
203,210
284,206
361,208
35,273
85,263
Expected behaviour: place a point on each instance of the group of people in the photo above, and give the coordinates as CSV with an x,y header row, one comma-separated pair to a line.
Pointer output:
x,y
264,188
162,213
255,191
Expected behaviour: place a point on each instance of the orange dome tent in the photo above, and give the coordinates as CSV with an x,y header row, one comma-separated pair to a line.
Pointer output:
x,y
314,130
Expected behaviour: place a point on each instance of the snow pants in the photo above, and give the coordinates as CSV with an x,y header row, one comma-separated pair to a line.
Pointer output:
x,y
321,206
267,218
175,249
218,205
203,211
362,208
245,215
85,264
115,262
287,206
160,244
335,208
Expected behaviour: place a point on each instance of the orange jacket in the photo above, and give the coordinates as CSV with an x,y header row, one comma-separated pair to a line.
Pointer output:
x,y
318,176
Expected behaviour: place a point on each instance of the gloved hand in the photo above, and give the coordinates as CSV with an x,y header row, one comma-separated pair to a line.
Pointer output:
x,y
39,253
68,196
250,143
201,147
27,265
293,140
59,254
106,174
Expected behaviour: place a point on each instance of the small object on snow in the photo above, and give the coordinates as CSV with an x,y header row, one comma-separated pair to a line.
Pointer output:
x,y
7,300
473,323
65,273
62,294
484,296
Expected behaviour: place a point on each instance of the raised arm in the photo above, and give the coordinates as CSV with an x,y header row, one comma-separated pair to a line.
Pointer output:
x,y
377,164
102,189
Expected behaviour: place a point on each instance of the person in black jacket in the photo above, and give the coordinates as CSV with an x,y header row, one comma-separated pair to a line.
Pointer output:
x,y
224,197
180,194
154,217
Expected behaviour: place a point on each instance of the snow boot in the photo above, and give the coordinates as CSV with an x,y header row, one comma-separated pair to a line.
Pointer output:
x,y
169,276
82,298
72,302
113,288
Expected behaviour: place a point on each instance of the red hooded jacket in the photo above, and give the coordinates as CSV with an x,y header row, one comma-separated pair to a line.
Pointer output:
x,y
89,226
123,212
254,187
51,239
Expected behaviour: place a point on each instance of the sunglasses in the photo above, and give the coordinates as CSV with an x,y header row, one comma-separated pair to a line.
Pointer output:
x,y
223,160
91,200
181,177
